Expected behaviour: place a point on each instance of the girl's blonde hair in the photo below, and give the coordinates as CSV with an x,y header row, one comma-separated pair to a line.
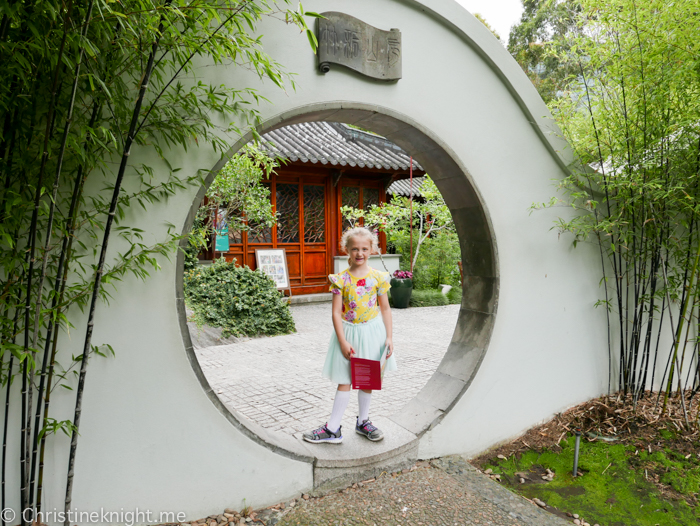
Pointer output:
x,y
359,231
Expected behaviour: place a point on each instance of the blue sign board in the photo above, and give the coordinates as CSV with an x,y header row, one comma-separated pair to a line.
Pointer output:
x,y
222,232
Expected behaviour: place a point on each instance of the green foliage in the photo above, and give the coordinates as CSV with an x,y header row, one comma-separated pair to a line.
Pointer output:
x,y
237,190
481,19
616,487
536,42
435,244
437,260
241,301
454,296
631,114
427,298
191,259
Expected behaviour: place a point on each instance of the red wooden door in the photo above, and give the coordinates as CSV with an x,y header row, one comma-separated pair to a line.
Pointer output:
x,y
315,238
302,230
361,194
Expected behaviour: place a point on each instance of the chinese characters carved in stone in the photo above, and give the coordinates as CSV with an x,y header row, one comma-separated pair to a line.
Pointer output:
x,y
350,42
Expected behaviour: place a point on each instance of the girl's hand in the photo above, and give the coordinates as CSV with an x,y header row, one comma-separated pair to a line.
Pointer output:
x,y
347,350
390,347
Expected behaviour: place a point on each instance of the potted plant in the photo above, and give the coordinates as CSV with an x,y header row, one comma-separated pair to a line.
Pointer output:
x,y
401,288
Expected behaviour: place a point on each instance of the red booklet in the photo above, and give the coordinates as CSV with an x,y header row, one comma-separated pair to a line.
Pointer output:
x,y
367,374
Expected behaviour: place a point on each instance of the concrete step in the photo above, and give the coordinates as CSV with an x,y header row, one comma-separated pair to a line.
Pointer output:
x,y
312,298
356,458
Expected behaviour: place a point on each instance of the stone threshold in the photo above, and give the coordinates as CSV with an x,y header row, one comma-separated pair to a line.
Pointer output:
x,y
311,298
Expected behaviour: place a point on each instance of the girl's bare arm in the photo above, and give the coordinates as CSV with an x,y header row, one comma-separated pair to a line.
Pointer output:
x,y
338,326
386,316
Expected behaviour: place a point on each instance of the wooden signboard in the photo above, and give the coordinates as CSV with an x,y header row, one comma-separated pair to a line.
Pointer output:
x,y
273,262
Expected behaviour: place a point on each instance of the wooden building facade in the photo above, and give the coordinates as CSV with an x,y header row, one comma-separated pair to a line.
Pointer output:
x,y
330,165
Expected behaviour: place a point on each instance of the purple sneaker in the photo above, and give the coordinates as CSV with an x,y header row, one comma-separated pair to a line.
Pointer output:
x,y
368,430
323,434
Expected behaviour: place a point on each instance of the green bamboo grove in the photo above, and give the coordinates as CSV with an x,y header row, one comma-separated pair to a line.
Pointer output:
x,y
83,83
631,113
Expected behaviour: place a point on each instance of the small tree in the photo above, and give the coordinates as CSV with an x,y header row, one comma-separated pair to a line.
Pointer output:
x,y
238,190
481,19
430,216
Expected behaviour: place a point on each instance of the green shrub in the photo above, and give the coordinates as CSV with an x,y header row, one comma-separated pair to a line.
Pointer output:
x,y
437,259
191,259
195,243
427,298
454,296
241,301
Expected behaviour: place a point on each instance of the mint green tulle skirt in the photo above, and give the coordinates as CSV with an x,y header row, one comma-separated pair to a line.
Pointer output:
x,y
367,339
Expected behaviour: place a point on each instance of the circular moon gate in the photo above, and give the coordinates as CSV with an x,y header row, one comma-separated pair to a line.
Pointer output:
x,y
475,121
479,260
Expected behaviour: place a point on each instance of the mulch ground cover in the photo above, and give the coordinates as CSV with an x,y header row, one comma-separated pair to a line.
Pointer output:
x,y
638,465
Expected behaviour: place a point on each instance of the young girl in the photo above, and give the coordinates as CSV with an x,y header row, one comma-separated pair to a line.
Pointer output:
x,y
359,293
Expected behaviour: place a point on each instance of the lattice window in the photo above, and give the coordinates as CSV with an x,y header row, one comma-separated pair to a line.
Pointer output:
x,y
370,196
288,213
350,196
235,237
314,214
259,233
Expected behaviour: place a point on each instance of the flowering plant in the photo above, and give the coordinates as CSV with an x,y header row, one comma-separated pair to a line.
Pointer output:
x,y
403,274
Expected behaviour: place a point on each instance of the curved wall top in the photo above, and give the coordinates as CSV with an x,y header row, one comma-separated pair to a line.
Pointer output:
x,y
151,435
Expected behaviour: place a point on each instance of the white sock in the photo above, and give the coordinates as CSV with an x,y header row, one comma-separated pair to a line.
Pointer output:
x,y
363,400
339,405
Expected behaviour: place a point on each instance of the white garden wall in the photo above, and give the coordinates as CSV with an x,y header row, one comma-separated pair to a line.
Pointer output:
x,y
151,438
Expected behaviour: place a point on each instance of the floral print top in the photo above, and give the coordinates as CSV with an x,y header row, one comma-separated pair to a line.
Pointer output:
x,y
360,303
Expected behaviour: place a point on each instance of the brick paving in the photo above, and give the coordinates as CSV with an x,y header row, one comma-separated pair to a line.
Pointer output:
x,y
277,382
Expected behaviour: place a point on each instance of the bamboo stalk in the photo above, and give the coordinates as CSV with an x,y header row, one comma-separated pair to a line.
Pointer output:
x,y
7,415
26,374
61,280
49,229
100,266
679,330
675,343
4,433
616,266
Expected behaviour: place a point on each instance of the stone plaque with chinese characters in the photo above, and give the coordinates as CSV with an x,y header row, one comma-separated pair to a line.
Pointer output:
x,y
350,42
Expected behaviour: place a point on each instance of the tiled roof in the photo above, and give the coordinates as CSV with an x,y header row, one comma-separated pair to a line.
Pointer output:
x,y
403,187
336,144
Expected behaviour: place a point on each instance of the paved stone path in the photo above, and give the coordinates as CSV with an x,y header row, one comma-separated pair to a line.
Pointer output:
x,y
277,383
446,491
